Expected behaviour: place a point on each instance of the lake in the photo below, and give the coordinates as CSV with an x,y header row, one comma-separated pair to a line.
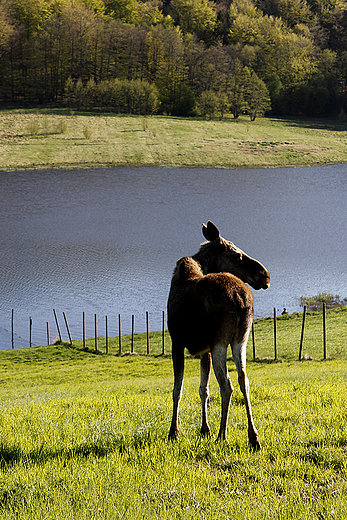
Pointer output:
x,y
106,240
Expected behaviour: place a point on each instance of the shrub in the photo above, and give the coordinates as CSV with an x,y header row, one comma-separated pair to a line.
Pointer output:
x,y
87,132
145,124
61,127
185,104
33,128
208,103
123,96
45,127
69,91
316,302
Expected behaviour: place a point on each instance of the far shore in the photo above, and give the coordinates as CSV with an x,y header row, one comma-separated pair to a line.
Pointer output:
x,y
60,138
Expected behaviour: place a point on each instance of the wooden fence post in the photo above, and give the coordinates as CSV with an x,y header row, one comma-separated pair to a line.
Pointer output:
x,y
106,323
30,332
275,333
132,332
253,341
147,329
163,351
324,332
84,329
12,327
302,332
96,333
120,334
48,342
57,323
67,327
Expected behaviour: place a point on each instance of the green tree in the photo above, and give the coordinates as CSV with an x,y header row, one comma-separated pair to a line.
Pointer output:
x,y
195,16
185,104
89,94
79,94
125,10
165,65
76,28
208,103
69,92
222,104
6,26
279,50
150,13
31,13
256,96
294,12
237,89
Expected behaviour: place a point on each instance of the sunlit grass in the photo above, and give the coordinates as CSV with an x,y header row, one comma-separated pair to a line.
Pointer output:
x,y
84,435
289,330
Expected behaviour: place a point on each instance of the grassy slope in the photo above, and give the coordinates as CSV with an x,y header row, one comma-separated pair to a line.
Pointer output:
x,y
84,436
122,140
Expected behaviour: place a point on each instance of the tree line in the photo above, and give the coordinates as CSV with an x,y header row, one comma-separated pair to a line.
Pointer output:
x,y
179,57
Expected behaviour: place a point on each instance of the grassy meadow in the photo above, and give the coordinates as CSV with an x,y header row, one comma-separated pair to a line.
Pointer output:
x,y
63,138
83,435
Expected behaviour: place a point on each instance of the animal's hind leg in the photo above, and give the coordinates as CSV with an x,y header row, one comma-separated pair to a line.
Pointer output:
x,y
205,371
178,366
219,360
239,354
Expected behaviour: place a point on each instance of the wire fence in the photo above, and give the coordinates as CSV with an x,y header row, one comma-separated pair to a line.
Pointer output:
x,y
95,327
99,333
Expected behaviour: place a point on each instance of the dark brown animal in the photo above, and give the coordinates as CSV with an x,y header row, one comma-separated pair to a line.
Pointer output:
x,y
210,307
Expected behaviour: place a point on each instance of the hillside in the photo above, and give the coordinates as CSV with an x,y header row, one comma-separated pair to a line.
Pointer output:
x,y
179,57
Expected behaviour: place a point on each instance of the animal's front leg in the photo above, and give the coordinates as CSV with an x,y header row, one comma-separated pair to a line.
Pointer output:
x,y
219,360
178,366
205,371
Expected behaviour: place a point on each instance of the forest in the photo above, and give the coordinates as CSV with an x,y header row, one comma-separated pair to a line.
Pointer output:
x,y
177,57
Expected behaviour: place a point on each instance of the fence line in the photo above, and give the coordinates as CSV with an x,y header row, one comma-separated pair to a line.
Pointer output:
x,y
30,341
48,341
301,338
275,333
302,332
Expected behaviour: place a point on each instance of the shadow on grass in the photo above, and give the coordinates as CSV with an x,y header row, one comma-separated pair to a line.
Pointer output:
x,y
12,454
334,125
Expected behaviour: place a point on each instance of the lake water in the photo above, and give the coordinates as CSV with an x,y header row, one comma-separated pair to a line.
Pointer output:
x,y
106,240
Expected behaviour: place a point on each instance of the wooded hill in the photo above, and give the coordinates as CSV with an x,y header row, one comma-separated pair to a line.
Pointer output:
x,y
180,57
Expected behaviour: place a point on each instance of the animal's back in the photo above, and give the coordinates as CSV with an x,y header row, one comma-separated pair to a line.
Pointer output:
x,y
208,310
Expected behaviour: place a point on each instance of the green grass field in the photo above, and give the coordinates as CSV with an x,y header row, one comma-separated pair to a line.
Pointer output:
x,y
84,435
60,138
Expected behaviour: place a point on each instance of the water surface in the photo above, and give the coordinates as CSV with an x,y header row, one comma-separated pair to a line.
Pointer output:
x,y
105,241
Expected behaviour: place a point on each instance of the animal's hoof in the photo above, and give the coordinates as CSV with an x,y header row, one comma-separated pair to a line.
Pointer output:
x,y
173,435
205,432
255,444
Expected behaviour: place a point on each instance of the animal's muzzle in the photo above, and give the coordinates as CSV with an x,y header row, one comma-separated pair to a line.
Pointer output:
x,y
262,281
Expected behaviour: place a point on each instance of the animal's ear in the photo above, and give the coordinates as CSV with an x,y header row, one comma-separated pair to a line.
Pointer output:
x,y
211,233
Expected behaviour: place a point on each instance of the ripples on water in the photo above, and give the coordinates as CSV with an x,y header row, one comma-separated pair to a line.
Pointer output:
x,y
105,241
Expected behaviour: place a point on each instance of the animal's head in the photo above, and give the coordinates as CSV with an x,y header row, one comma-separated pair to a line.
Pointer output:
x,y
220,255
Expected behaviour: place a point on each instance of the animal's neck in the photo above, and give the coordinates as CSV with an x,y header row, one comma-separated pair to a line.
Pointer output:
x,y
206,258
